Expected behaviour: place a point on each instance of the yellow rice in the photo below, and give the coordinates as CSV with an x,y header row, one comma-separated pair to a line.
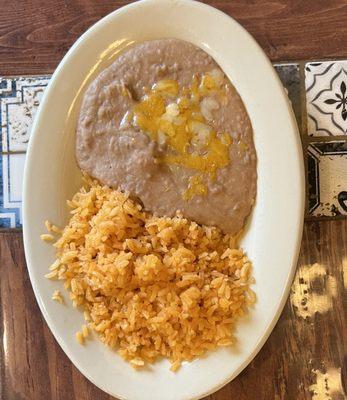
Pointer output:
x,y
57,297
80,337
150,287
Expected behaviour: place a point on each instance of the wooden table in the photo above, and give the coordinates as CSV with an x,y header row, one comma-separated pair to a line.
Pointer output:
x,y
34,36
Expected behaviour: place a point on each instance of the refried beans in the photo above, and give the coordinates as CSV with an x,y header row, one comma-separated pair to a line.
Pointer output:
x,y
164,124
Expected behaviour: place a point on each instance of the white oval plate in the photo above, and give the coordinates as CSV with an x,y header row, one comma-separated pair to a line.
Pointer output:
x,y
273,236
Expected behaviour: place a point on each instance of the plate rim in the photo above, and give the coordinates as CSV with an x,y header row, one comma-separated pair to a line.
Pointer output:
x,y
26,211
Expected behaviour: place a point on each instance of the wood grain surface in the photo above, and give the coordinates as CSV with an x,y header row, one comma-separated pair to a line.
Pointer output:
x,y
34,36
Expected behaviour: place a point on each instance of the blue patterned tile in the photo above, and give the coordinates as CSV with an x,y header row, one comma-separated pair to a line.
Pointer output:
x,y
12,168
19,99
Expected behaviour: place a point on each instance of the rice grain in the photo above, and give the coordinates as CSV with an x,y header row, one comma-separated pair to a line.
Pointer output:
x,y
150,287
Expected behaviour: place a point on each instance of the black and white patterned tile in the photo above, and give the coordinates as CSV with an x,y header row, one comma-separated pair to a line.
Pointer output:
x,y
327,167
290,78
326,98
